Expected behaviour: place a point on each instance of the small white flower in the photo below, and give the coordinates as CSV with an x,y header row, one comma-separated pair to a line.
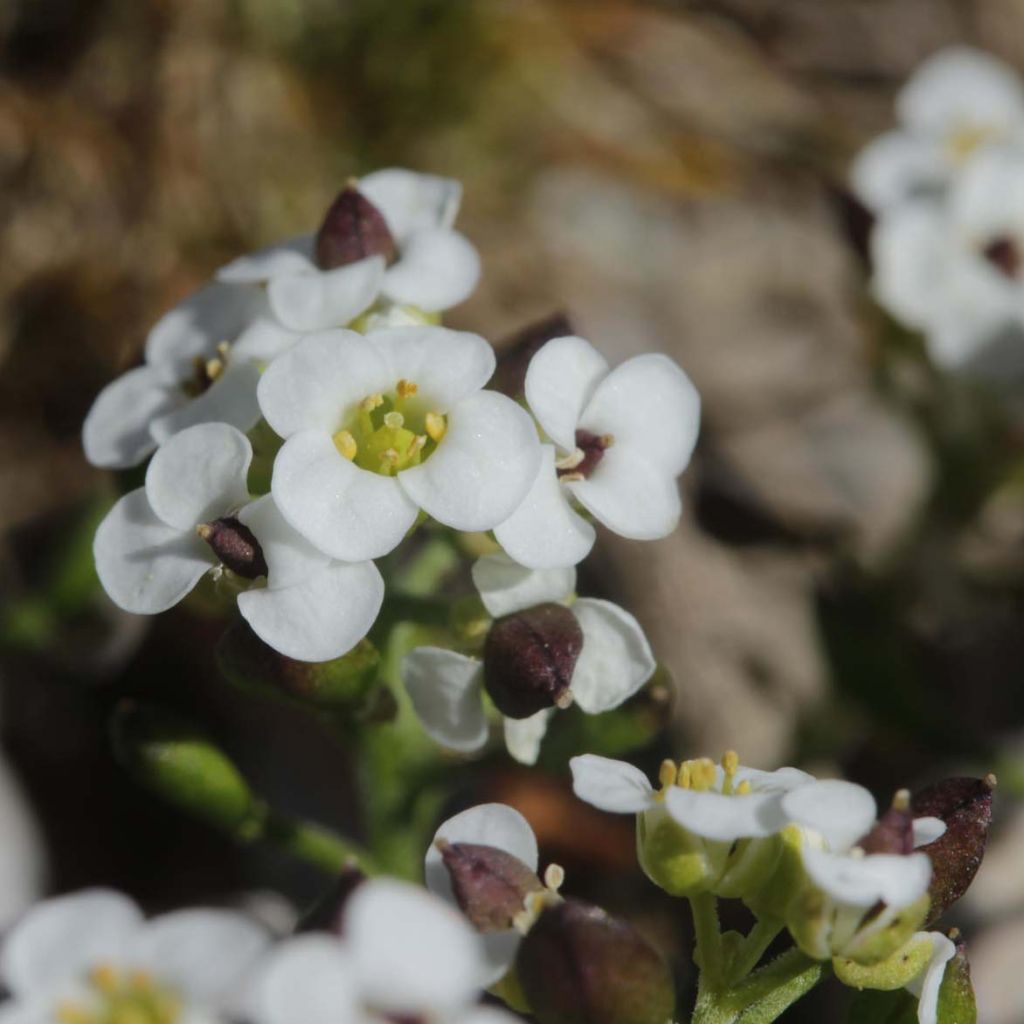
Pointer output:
x,y
926,985
435,267
91,957
957,102
622,436
381,426
202,362
150,550
404,953
446,687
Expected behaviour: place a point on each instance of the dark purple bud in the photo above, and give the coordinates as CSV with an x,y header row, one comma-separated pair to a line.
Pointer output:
x,y
579,965
515,353
353,229
894,831
529,658
1004,254
489,884
965,805
956,993
592,448
235,546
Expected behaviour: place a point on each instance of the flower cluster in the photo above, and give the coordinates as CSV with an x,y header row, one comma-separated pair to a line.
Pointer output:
x,y
307,412
945,189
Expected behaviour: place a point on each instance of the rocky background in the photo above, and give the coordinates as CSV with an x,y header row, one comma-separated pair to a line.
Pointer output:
x,y
847,591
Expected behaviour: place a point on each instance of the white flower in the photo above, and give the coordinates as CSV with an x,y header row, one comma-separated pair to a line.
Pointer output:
x,y
957,102
622,437
435,267
403,954
926,985
151,550
381,426
495,825
954,271
91,957
446,687
202,362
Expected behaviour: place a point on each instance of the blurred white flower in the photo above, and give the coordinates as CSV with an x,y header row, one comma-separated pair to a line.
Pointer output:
x,y
380,426
403,954
91,957
327,279
22,854
622,436
610,660
202,362
194,515
957,102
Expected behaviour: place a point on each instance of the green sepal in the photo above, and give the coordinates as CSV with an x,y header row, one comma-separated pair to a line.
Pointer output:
x,y
956,993
876,940
786,881
672,858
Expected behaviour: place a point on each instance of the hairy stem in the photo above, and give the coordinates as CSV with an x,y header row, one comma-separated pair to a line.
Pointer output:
x,y
755,945
313,844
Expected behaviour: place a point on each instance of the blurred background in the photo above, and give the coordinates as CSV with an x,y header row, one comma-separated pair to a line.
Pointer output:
x,y
847,590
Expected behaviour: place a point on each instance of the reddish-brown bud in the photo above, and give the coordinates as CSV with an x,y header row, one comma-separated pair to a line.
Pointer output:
x,y
529,658
894,831
579,965
235,546
489,884
515,353
353,229
965,805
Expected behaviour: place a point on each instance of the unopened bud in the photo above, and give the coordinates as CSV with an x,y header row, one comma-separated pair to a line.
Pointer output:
x,y
965,805
352,229
235,546
529,658
579,965
515,353
175,760
894,831
490,885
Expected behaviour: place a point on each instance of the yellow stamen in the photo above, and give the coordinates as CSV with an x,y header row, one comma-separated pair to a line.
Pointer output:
x,y
730,762
214,368
564,700
371,402
346,444
70,1013
104,978
435,425
668,773
703,774
390,456
743,788
417,444
684,779
554,876
901,800
607,440
406,388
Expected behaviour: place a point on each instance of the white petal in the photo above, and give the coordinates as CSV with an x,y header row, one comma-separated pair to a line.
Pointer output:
x,y
263,340
308,979
196,326
560,380
326,298
321,618
437,269
862,881
411,201
545,532
650,407
116,434
781,780
926,985
895,166
230,399
318,382
483,467
927,830
199,475
445,365
725,818
631,496
59,937
347,512
292,257
505,586
412,952
961,87
202,954
840,812
145,565
290,557
610,785
523,735
988,199
445,690
616,659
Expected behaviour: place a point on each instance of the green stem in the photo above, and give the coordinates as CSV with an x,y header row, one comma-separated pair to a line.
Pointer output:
x,y
313,844
708,956
748,956
768,993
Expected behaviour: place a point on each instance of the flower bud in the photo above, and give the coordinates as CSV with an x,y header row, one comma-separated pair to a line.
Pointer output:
x,y
579,965
529,658
173,759
235,546
489,884
965,805
352,229
894,831
515,353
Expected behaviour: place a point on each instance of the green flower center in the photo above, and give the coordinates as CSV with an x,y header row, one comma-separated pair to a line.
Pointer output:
x,y
390,432
122,997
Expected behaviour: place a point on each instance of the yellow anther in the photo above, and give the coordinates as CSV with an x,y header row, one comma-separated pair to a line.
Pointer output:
x,y
702,774
214,368
570,461
564,700
743,788
371,402
901,800
607,440
684,778
417,444
406,388
730,762
435,425
71,1013
104,978
224,349
554,876
394,420
668,773
346,444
